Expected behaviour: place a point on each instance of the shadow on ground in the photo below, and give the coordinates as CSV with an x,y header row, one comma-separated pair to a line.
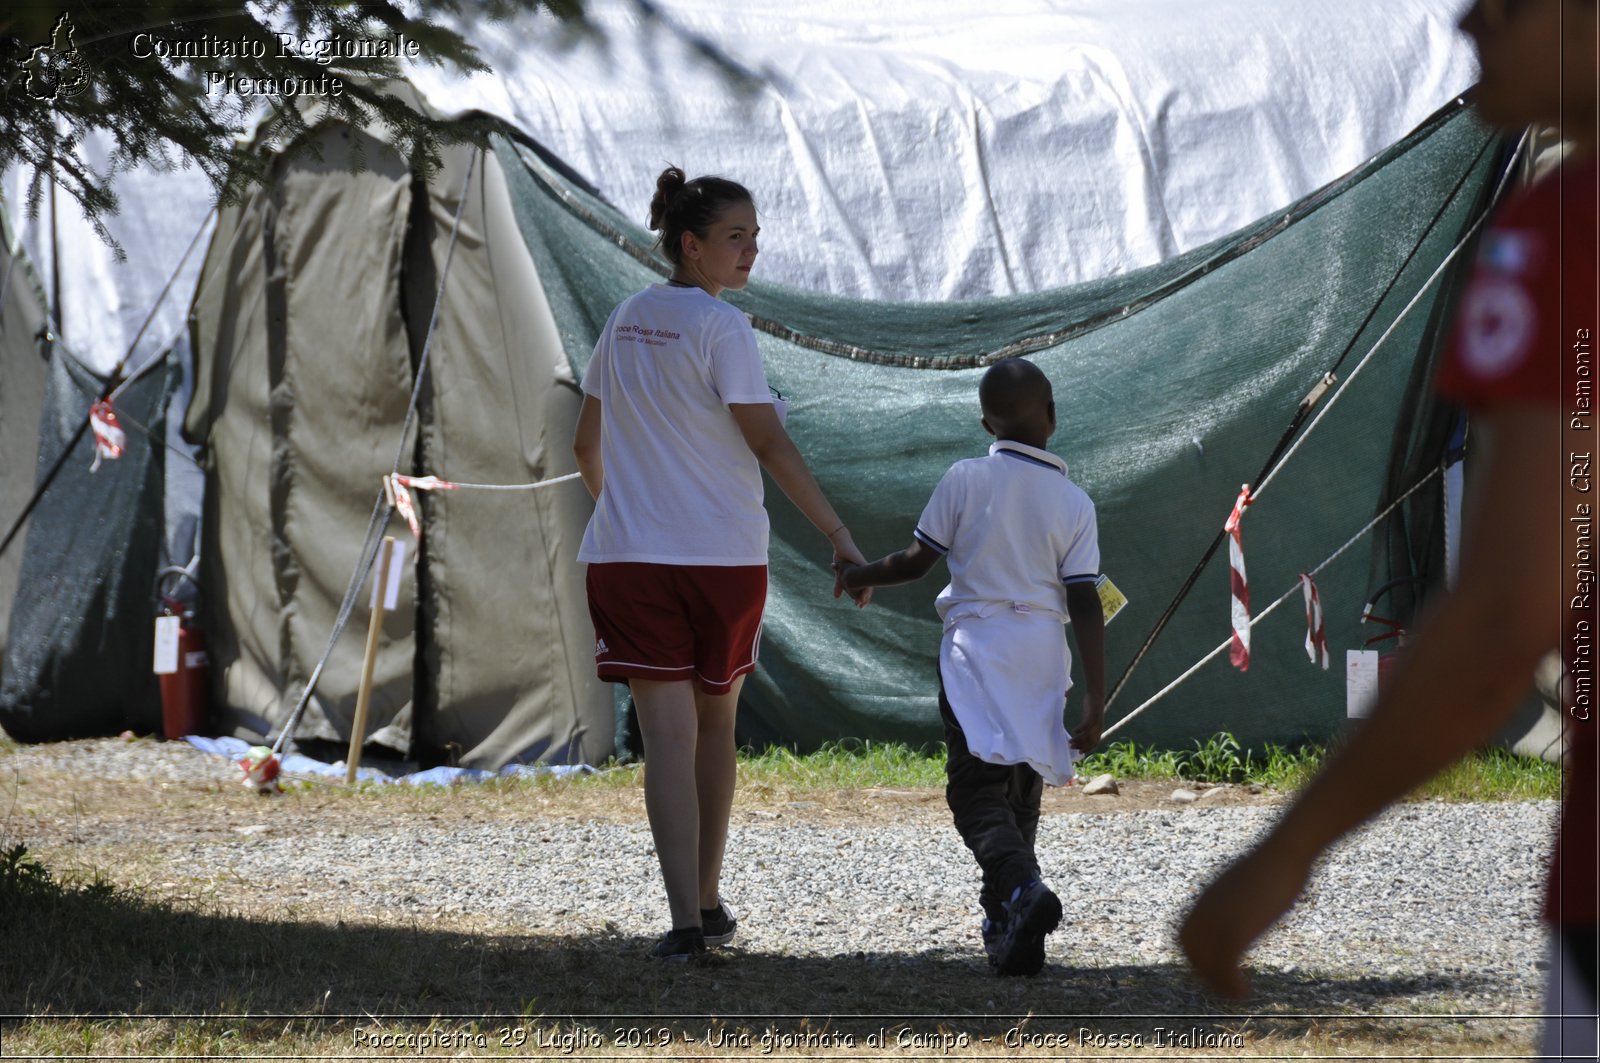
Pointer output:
x,y
102,952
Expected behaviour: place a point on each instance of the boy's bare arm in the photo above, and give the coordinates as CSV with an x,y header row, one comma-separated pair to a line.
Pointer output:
x,y
903,566
1089,632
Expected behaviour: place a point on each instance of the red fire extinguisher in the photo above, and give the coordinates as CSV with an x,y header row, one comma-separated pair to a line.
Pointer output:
x,y
181,664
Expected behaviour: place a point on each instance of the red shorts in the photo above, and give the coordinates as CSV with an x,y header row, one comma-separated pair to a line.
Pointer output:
x,y
671,622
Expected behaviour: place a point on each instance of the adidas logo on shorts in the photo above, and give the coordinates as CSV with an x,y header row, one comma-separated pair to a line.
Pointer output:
x,y
600,647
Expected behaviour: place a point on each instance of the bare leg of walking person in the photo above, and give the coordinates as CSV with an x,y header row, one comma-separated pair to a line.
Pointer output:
x,y
715,769
668,719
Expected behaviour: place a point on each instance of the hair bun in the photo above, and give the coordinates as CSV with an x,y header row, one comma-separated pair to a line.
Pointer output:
x,y
668,185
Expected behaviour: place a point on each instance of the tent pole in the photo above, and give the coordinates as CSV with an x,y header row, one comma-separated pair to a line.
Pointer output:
x,y
380,601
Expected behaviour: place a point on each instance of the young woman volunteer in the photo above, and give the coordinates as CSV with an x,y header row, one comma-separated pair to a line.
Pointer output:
x,y
676,426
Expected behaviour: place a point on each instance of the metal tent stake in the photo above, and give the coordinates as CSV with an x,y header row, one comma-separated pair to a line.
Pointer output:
x,y
358,729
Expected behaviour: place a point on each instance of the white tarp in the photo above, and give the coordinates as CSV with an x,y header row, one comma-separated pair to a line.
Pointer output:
x,y
946,149
918,151
104,301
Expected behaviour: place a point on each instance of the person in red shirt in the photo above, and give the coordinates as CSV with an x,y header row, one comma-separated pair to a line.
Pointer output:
x,y
1522,361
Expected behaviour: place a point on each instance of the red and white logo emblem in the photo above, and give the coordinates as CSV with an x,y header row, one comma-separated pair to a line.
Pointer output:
x,y
1498,328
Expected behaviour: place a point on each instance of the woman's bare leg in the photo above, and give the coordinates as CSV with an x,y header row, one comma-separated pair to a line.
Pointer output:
x,y
668,721
715,770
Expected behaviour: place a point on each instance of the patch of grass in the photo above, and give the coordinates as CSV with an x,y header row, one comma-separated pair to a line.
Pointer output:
x,y
1283,768
1494,775
845,765
551,1037
1221,759
21,875
1218,759
1490,775
1126,760
25,881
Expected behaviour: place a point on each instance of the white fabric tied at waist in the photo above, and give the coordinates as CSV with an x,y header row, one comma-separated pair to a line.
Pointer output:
x,y
980,610
1006,670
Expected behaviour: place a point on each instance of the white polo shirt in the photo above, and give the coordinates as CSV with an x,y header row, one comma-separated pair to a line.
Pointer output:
x,y
1015,531
1013,528
681,486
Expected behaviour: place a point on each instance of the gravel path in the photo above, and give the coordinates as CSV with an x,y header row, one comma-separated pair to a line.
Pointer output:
x,y
1443,897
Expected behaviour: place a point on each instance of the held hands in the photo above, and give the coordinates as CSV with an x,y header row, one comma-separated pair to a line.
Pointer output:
x,y
845,557
840,567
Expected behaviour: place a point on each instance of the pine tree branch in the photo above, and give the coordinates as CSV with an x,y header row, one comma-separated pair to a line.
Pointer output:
x,y
147,77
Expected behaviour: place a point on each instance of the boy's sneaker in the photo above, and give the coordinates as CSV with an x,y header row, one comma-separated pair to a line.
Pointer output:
x,y
991,940
1031,913
680,946
719,924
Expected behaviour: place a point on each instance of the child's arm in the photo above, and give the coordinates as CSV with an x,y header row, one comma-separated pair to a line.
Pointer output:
x,y
912,563
1089,632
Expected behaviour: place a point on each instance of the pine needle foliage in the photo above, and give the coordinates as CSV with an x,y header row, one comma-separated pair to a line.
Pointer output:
x,y
137,72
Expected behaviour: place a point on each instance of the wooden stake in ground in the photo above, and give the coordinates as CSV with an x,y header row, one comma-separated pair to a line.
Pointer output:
x,y
358,729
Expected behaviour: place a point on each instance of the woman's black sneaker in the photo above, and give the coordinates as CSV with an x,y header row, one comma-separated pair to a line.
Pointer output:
x,y
680,946
718,924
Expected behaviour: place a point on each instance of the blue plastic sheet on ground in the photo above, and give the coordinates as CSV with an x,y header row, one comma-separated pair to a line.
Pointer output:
x,y
299,764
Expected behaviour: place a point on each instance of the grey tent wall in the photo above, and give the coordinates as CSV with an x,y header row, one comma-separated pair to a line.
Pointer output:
x,y
23,374
506,671
303,375
312,311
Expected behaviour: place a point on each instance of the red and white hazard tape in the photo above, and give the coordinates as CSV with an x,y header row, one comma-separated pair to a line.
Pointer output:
x,y
1316,633
1239,651
399,487
110,441
1259,617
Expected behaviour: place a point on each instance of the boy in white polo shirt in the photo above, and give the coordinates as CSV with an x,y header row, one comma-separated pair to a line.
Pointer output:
x,y
1023,552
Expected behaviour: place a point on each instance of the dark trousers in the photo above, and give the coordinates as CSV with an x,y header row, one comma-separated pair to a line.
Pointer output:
x,y
996,808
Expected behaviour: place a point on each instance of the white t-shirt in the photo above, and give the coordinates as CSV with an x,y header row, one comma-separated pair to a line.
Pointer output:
x,y
681,486
1015,532
1014,529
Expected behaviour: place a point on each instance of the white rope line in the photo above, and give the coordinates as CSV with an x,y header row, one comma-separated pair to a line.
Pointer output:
x,y
1426,285
508,487
397,488
1254,620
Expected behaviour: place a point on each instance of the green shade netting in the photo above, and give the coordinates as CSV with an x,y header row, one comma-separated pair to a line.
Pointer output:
x,y
1172,385
82,631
